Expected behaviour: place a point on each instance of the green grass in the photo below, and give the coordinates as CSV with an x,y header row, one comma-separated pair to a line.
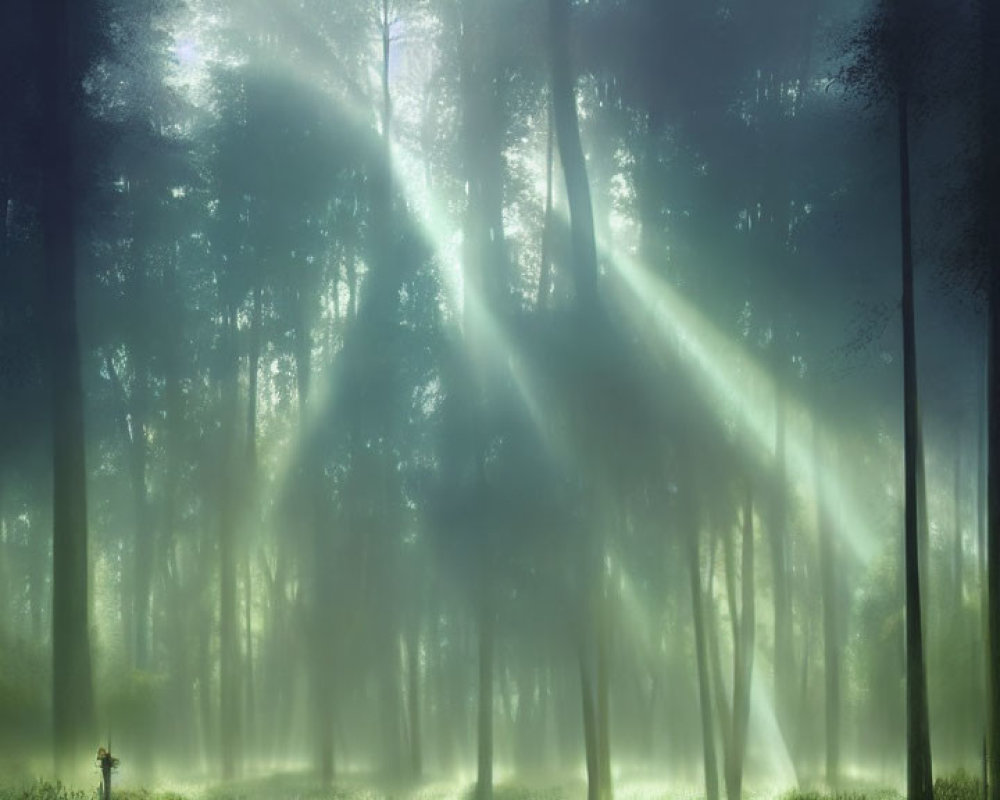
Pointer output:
x,y
958,785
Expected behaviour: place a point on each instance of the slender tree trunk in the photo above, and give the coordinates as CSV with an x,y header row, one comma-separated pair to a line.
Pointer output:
x,y
571,155
958,558
829,570
545,267
144,546
744,654
205,704
484,779
990,77
590,735
253,369
722,709
181,666
919,781
229,673
413,699
603,687
701,656
783,659
72,693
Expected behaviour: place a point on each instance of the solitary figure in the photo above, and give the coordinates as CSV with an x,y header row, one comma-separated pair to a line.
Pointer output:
x,y
106,762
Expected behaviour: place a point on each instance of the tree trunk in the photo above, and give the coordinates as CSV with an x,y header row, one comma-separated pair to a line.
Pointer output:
x,y
990,30
783,659
72,693
253,365
545,267
603,688
413,699
919,781
571,155
701,655
723,714
144,549
831,640
229,673
958,559
744,655
484,778
590,735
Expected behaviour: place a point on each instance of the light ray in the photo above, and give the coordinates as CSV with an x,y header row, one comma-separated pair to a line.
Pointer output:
x,y
739,389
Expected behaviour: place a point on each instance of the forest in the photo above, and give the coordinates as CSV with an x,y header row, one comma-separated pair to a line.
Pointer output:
x,y
515,399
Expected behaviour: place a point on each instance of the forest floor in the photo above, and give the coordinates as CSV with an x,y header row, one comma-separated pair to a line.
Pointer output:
x,y
297,786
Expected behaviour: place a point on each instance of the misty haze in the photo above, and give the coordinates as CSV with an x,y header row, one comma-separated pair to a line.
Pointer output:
x,y
499,400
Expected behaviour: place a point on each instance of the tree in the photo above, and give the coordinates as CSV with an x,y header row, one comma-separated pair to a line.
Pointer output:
x,y
989,21
73,705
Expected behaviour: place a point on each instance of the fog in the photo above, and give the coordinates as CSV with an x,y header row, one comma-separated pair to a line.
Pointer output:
x,y
530,398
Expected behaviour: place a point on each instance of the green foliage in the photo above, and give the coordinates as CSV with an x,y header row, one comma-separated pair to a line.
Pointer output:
x,y
42,790
49,790
868,794
958,785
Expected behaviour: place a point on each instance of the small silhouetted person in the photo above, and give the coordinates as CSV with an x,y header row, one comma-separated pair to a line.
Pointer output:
x,y
106,762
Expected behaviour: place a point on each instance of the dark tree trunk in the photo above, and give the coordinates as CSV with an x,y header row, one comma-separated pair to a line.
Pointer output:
x,y
72,693
957,556
701,656
545,266
567,124
919,781
990,31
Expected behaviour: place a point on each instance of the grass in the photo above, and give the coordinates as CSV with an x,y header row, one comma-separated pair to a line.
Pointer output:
x,y
957,785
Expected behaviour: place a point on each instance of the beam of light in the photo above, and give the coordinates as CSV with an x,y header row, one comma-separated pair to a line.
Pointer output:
x,y
737,388
766,742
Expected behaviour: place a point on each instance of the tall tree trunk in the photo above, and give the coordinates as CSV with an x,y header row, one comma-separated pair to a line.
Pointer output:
x,y
744,655
567,124
545,267
783,659
584,260
484,779
722,710
229,673
919,781
957,556
413,699
590,735
249,703
181,667
72,692
829,570
701,656
990,78
603,687
143,549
